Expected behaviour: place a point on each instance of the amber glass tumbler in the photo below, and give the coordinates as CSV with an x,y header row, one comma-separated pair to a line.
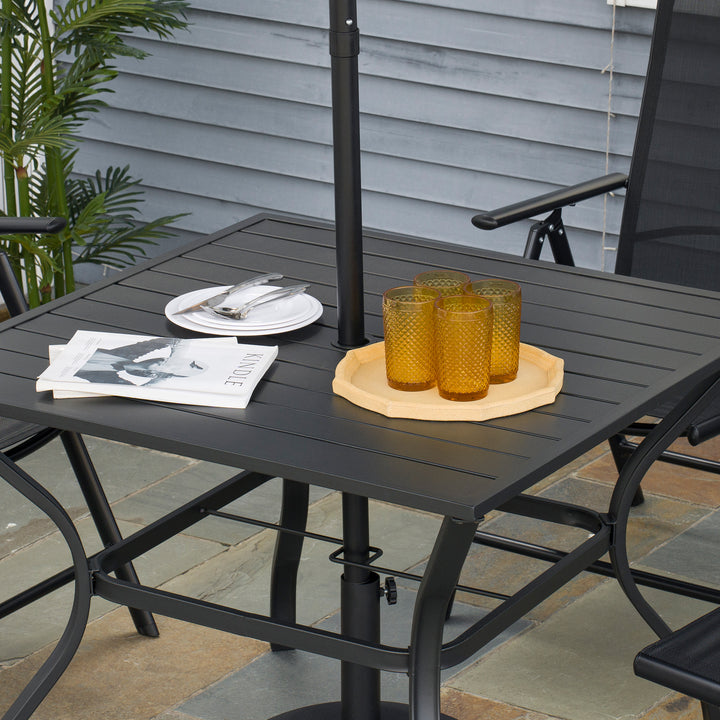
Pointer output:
x,y
446,282
506,298
408,322
463,343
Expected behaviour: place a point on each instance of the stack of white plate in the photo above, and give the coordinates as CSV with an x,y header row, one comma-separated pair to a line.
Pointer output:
x,y
276,317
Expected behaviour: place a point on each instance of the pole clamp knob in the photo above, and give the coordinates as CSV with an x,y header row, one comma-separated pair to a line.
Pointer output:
x,y
389,590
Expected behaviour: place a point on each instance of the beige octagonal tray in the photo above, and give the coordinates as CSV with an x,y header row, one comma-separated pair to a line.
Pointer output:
x,y
360,378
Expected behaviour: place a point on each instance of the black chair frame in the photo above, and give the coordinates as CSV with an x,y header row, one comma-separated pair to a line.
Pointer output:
x,y
552,229
28,438
686,660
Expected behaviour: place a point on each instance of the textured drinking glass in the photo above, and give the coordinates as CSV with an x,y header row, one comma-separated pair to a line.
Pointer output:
x,y
506,299
463,342
408,322
446,282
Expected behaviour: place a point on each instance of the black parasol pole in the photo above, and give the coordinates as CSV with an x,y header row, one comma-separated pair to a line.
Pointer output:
x,y
360,588
344,49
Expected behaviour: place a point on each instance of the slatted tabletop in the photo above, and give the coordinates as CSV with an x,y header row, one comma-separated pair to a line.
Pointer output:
x,y
626,344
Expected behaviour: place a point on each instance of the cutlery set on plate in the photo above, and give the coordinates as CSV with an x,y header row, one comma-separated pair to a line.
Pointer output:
x,y
251,307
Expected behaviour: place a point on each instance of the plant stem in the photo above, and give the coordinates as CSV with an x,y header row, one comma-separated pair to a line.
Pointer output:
x,y
6,129
57,200
30,265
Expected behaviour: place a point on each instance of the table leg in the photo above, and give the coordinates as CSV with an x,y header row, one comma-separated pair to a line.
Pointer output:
x,y
104,520
436,590
288,549
360,600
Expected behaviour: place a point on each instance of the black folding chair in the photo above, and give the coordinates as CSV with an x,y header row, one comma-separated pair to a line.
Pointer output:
x,y
670,228
688,661
20,439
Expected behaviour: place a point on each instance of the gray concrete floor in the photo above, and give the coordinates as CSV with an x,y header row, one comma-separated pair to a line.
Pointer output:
x,y
571,657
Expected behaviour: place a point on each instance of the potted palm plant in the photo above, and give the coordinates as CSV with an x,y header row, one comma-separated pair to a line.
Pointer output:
x,y
54,65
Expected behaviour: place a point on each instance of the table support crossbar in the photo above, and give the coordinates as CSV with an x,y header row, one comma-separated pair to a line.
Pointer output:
x,y
280,527
335,557
600,567
260,627
359,651
540,588
179,520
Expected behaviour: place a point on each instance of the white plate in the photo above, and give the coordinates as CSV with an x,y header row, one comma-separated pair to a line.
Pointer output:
x,y
217,321
202,317
283,312
185,322
282,316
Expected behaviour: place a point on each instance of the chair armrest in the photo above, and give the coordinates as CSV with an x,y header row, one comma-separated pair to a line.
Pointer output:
x,y
44,226
9,288
703,429
550,201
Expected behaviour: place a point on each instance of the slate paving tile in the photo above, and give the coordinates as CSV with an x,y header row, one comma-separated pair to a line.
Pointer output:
x,y
654,522
578,663
262,503
696,486
464,706
674,707
692,554
570,470
120,675
124,470
32,627
573,467
277,682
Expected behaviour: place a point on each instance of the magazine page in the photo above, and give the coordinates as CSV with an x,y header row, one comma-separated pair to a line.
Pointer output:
x,y
191,371
55,350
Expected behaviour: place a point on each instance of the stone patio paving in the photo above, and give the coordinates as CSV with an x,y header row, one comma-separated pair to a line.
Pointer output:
x,y
570,658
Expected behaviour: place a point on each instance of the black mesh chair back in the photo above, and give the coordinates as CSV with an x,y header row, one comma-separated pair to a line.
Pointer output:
x,y
671,221
670,230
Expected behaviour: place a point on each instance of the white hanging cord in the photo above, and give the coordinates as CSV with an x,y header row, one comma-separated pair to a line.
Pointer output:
x,y
609,68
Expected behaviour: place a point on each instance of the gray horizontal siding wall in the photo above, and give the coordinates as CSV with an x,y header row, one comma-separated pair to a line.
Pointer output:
x,y
466,105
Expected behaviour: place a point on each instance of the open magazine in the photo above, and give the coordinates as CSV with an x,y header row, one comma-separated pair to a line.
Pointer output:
x,y
216,372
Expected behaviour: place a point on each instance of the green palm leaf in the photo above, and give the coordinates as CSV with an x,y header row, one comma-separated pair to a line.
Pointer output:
x,y
78,20
108,205
51,80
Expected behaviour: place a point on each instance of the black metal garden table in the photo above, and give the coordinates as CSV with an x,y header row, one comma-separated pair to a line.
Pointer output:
x,y
627,345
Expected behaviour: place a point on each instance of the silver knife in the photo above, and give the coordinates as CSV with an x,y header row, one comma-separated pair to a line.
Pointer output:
x,y
240,313
220,297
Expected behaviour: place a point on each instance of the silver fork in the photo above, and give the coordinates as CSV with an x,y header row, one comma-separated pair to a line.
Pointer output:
x,y
240,313
217,299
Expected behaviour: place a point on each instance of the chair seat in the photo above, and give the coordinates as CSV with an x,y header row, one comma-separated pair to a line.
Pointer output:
x,y
14,432
18,438
704,427
687,661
